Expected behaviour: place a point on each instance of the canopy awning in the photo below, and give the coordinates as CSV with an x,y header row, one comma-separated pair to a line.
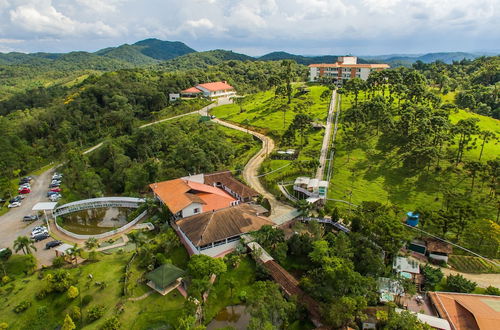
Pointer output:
x,y
44,206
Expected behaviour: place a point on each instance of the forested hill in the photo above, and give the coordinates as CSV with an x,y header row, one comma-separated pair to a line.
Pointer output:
x,y
149,51
202,60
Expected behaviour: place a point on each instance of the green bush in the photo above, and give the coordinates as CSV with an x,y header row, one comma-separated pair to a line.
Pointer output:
x,y
95,313
111,324
86,299
41,294
458,283
491,290
58,262
22,306
75,313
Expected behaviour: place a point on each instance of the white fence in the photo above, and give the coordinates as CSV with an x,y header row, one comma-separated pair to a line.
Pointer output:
x,y
94,203
106,234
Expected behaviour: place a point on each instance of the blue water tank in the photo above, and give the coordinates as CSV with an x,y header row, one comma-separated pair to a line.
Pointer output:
x,y
412,219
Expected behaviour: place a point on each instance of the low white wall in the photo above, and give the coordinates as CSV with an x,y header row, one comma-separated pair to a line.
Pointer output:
x,y
106,234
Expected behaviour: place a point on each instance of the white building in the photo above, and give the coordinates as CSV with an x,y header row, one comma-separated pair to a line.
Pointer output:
x,y
210,90
345,68
314,188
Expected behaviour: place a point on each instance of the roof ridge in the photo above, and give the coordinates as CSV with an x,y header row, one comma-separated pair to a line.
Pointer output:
x,y
206,226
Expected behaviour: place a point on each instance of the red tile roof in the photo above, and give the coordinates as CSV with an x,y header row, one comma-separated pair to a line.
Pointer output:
x,y
191,90
216,86
178,194
339,65
468,311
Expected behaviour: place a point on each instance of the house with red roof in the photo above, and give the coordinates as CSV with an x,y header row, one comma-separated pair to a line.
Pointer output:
x,y
211,90
210,212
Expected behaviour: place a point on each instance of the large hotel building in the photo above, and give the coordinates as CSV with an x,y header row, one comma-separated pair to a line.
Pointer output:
x,y
345,68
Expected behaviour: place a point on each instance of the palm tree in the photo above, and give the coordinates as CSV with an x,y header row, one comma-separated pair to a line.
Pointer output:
x,y
136,238
25,244
91,243
74,252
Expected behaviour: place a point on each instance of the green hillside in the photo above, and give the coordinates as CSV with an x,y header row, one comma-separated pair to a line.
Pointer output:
x,y
202,60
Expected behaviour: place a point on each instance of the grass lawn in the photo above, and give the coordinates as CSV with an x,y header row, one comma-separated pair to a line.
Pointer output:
x,y
369,174
262,112
246,146
155,310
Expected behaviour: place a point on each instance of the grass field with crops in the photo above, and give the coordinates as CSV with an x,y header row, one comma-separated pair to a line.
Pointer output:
x,y
469,264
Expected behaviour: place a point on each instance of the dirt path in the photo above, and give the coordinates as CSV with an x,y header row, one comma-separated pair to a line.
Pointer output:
x,y
482,280
250,171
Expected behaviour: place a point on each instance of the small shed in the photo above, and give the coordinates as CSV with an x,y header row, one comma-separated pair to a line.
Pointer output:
x,y
165,278
62,249
438,250
406,268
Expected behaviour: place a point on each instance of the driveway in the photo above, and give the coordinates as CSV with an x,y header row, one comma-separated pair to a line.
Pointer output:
x,y
250,172
13,226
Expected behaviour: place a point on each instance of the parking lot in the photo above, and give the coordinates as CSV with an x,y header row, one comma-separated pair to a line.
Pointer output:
x,y
12,225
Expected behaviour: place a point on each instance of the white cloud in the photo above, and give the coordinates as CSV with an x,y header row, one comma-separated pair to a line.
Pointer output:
x,y
326,25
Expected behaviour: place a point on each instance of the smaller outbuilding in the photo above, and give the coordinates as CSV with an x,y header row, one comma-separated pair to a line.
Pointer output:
x,y
406,267
165,278
438,250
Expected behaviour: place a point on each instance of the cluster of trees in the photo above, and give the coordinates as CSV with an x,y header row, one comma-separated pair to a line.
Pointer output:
x,y
41,124
414,132
160,152
476,82
340,270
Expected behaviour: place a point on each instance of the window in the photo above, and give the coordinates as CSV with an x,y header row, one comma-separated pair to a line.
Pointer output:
x,y
196,210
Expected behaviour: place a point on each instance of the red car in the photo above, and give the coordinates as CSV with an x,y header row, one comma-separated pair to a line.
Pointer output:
x,y
56,189
25,191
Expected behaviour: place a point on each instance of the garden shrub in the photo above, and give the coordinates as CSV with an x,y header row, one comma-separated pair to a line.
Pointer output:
x,y
111,324
4,325
41,294
73,292
86,299
95,313
75,313
58,262
22,306
5,279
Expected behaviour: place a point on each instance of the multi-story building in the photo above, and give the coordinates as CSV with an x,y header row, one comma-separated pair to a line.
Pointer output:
x,y
345,68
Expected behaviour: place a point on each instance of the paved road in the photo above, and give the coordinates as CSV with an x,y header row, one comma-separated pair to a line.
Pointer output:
x,y
11,223
326,139
250,171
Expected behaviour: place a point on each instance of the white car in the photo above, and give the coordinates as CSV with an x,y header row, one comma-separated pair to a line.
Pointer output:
x,y
55,197
25,185
38,231
15,204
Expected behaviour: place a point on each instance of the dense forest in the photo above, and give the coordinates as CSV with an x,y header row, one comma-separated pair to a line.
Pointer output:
x,y
476,82
39,125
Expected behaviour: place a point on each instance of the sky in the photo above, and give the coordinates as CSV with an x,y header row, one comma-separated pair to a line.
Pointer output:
x,y
254,27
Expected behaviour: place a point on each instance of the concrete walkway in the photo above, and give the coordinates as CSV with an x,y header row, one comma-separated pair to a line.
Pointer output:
x,y
326,138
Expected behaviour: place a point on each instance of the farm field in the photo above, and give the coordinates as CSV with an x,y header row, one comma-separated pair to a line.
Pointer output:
x,y
469,264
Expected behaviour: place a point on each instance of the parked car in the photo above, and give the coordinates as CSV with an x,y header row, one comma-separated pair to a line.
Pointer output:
x,y
54,185
18,198
56,189
30,218
55,198
38,231
2,201
15,204
50,193
52,244
41,237
57,177
26,185
25,191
